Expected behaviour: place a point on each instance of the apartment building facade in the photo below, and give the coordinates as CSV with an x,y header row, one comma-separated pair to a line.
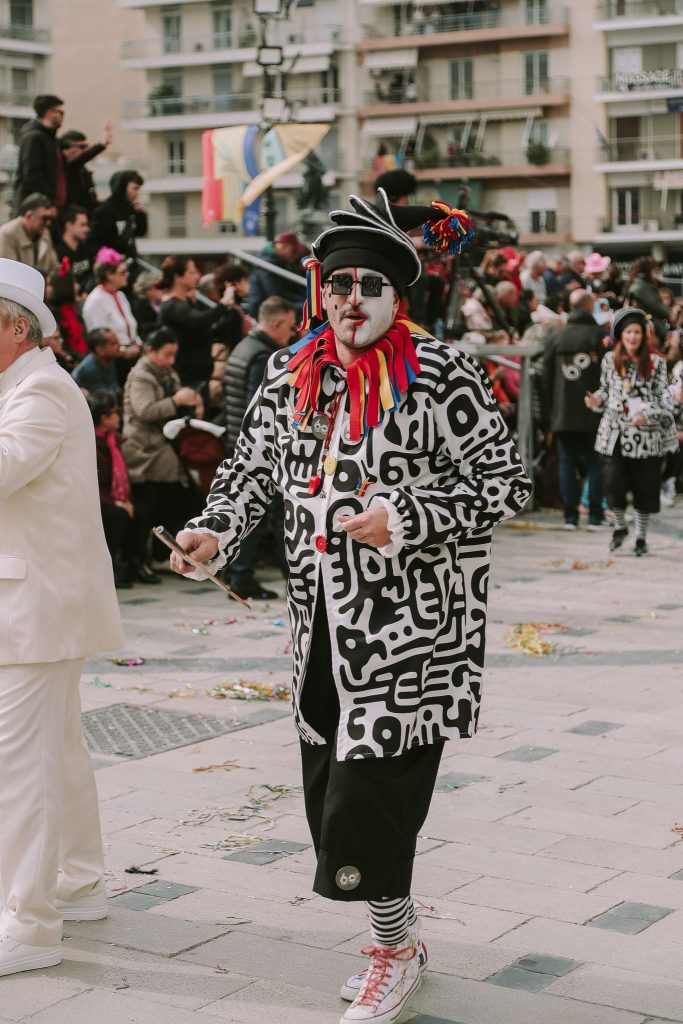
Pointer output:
x,y
200,60
565,118
640,154
25,51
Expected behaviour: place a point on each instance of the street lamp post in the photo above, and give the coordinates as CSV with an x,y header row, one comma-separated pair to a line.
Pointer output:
x,y
269,57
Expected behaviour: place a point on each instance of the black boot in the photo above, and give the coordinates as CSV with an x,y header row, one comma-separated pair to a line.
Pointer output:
x,y
249,587
641,547
618,538
142,573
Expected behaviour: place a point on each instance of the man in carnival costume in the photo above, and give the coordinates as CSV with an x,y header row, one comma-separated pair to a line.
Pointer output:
x,y
395,464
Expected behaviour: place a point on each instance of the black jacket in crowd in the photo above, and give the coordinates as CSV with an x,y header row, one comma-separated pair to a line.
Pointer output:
x,y
571,367
116,222
243,375
80,184
40,162
192,325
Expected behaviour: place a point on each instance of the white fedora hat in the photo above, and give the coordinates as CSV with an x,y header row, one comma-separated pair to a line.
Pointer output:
x,y
24,285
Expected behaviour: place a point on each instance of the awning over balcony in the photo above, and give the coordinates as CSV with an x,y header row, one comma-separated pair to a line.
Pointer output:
x,y
301,66
390,127
463,117
389,60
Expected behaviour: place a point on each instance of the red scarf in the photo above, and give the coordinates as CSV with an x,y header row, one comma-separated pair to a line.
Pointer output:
x,y
120,484
376,379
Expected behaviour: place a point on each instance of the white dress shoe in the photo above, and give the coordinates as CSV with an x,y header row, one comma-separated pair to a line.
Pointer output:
x,y
91,907
16,957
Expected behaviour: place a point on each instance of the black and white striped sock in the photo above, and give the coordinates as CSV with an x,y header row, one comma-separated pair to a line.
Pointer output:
x,y
642,519
390,920
619,518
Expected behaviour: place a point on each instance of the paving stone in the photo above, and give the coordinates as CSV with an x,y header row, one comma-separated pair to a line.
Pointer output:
x,y
678,875
594,728
276,1002
132,930
423,1018
514,977
618,856
110,1007
630,918
535,900
268,852
135,900
593,826
456,780
644,993
165,890
558,966
22,996
527,754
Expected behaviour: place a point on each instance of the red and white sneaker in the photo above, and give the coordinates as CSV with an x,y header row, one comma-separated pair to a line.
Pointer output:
x,y
352,985
391,979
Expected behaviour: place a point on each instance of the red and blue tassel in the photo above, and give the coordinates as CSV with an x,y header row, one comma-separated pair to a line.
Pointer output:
x,y
451,232
313,307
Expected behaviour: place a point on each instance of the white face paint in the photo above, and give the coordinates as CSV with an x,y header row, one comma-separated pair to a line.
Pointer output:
x,y
360,320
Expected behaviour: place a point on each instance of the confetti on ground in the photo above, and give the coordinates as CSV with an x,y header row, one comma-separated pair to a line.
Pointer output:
x,y
231,843
122,984
277,622
526,638
578,564
243,690
259,797
128,662
287,648
133,870
200,629
226,766
511,785
298,900
679,830
101,683
429,910
514,525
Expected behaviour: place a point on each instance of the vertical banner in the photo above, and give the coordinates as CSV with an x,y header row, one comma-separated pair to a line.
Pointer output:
x,y
251,216
283,147
225,173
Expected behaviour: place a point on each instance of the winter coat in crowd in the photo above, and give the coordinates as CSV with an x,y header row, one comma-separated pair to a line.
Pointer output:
x,y
571,367
192,324
80,183
646,296
15,244
263,284
41,165
115,222
625,395
243,375
147,405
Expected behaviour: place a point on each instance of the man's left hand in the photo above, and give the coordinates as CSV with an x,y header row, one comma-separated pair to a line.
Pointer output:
x,y
368,527
107,134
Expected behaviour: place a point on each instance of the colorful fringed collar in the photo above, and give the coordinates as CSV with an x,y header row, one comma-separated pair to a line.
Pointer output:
x,y
377,379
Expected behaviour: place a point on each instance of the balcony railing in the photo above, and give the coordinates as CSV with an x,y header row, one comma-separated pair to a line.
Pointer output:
x,y
486,89
280,35
175,106
426,25
178,105
17,99
664,147
646,225
501,158
546,222
25,33
642,81
615,10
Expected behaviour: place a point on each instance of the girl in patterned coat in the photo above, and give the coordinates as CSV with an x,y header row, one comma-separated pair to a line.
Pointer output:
x,y
637,427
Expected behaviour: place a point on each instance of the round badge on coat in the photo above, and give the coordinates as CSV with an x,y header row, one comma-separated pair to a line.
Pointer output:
x,y
348,878
319,426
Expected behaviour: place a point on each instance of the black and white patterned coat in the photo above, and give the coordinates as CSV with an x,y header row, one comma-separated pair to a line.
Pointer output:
x,y
407,628
623,397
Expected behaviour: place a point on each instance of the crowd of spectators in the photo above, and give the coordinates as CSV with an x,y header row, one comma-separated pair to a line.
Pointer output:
x,y
169,359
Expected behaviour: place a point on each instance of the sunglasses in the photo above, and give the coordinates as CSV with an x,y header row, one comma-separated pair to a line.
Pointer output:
x,y
370,286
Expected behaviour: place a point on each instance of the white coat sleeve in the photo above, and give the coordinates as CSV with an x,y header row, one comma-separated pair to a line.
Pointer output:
x,y
33,425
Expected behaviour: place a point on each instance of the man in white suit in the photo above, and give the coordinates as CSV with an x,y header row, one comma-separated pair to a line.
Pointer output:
x,y
57,605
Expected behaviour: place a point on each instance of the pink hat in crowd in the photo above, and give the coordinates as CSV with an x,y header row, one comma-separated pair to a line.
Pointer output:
x,y
596,264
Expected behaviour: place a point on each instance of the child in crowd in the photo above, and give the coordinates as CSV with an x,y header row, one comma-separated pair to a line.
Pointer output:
x,y
63,303
126,528
637,428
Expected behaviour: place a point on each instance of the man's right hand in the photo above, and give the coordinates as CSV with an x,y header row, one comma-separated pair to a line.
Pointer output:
x,y
202,546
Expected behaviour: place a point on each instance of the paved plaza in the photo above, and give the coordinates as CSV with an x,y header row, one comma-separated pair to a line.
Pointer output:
x,y
549,874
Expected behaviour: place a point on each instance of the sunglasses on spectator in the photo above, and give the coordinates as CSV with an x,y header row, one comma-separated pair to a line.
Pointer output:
x,y
370,286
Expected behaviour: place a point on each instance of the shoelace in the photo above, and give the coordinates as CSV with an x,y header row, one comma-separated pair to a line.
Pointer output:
x,y
375,982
